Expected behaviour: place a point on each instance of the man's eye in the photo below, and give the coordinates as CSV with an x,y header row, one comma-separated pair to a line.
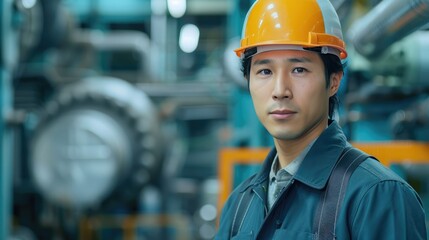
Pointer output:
x,y
264,72
299,70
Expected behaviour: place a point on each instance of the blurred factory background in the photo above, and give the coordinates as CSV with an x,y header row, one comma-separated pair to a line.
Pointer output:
x,y
114,113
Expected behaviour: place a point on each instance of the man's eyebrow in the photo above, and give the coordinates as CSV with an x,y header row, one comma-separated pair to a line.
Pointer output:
x,y
262,62
298,60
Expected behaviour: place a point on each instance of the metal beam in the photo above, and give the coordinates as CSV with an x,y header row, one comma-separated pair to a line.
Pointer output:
x,y
8,55
5,159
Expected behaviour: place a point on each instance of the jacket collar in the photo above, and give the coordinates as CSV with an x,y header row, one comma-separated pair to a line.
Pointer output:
x,y
322,157
263,174
317,164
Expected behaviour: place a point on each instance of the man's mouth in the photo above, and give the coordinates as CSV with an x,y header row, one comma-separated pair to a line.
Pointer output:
x,y
282,113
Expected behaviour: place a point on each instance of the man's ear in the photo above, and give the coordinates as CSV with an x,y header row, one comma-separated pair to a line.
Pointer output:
x,y
335,83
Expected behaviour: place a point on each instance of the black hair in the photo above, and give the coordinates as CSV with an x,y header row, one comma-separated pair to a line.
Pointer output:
x,y
332,65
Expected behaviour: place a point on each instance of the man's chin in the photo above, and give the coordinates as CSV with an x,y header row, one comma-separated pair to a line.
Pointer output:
x,y
285,136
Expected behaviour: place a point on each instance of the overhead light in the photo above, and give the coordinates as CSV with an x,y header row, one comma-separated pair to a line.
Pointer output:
x,y
189,38
28,3
177,8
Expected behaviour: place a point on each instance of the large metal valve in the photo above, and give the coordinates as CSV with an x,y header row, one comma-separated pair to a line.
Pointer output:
x,y
96,136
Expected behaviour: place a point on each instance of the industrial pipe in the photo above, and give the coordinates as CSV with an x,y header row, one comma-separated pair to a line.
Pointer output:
x,y
120,40
388,22
343,8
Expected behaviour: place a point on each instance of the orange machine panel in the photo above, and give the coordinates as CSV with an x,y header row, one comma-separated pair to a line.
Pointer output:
x,y
408,152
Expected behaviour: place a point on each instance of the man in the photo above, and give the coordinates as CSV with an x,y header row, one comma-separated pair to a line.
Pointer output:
x,y
291,53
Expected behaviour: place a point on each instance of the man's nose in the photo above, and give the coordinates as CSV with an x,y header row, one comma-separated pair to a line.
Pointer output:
x,y
282,87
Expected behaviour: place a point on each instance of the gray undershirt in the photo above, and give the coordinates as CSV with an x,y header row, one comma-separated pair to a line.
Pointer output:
x,y
279,179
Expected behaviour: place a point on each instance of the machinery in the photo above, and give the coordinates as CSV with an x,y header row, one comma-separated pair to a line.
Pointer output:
x,y
107,143
388,65
80,136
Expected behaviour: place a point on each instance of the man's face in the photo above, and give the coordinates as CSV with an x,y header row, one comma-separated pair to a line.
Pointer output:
x,y
290,94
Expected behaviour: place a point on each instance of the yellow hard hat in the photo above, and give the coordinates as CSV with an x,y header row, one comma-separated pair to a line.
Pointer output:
x,y
292,24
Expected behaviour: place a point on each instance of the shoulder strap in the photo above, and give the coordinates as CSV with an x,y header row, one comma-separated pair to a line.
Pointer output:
x,y
325,219
241,207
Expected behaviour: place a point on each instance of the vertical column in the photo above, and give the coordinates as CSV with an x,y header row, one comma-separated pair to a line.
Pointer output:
x,y
8,48
158,34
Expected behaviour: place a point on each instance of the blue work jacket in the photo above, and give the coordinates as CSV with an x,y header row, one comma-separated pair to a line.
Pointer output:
x,y
377,205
